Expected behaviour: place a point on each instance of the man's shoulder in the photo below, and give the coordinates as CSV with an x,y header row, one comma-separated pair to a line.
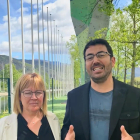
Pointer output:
x,y
126,86
80,88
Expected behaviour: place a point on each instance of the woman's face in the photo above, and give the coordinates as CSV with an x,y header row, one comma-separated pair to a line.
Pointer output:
x,y
31,99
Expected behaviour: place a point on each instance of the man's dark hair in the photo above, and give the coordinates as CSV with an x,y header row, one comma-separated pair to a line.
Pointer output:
x,y
97,42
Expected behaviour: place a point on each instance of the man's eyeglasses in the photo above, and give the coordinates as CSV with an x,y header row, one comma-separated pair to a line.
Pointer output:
x,y
99,55
29,93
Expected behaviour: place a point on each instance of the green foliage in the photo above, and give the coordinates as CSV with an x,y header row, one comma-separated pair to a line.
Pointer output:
x,y
16,73
124,35
107,7
75,56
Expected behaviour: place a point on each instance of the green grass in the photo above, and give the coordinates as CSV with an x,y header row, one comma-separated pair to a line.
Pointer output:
x,y
59,106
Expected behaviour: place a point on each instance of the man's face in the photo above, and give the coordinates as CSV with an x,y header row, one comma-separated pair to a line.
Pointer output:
x,y
99,69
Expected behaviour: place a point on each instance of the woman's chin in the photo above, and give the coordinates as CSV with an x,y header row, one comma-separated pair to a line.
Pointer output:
x,y
34,109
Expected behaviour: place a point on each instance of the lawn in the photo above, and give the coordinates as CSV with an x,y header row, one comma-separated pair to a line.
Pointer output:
x,y
59,106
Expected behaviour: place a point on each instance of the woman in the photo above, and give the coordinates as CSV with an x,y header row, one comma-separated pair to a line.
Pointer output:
x,y
30,120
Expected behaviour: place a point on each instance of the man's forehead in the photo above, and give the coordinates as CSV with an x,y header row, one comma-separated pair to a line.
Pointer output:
x,y
96,48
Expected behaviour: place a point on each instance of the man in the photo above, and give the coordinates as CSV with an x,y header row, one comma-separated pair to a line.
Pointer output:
x,y
104,108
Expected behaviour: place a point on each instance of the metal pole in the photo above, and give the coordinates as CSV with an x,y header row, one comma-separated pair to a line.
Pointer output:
x,y
0,105
67,75
3,78
56,64
0,85
22,39
10,55
58,67
48,53
52,94
9,96
32,37
54,61
51,46
4,103
63,71
43,45
38,39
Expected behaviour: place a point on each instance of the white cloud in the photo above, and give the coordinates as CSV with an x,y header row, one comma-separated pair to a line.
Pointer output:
x,y
60,11
25,9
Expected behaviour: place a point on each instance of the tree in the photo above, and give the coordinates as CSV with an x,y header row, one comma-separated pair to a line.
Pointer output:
x,y
74,52
16,73
129,32
125,31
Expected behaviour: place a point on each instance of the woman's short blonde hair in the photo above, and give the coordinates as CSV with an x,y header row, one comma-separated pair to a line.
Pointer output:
x,y
29,80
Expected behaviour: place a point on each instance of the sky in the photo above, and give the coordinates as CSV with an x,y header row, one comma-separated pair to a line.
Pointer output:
x,y
60,12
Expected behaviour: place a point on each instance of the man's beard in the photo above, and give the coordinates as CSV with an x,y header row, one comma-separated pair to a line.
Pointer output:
x,y
101,79
104,77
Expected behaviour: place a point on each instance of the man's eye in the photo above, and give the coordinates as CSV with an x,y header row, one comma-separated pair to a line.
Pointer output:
x,y
90,57
101,55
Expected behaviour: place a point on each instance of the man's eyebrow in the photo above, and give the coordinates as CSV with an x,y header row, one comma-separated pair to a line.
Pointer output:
x,y
89,54
93,54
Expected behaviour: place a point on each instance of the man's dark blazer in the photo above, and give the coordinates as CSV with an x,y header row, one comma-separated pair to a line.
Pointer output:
x,y
125,111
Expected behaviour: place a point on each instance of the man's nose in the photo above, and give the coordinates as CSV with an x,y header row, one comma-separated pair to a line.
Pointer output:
x,y
95,59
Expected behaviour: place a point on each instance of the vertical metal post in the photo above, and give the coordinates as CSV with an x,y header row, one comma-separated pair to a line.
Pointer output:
x,y
43,45
4,103
0,105
3,78
63,70
9,96
51,46
22,39
58,68
52,94
32,36
10,55
38,38
48,53
0,84
54,61
60,65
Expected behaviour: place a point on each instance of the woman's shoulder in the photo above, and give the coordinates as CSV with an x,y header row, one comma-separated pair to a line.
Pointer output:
x,y
52,115
8,119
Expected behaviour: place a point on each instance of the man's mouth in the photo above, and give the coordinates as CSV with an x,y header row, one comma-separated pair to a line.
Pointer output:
x,y
98,68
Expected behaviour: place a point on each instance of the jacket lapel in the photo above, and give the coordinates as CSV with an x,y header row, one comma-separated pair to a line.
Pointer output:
x,y
10,129
54,124
85,110
119,95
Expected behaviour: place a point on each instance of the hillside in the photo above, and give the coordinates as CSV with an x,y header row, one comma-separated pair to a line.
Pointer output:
x,y
28,64
18,63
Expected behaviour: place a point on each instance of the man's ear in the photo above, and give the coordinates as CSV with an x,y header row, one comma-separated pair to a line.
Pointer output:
x,y
113,61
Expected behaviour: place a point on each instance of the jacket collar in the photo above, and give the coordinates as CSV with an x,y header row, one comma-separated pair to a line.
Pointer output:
x,y
11,127
54,124
85,109
119,96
